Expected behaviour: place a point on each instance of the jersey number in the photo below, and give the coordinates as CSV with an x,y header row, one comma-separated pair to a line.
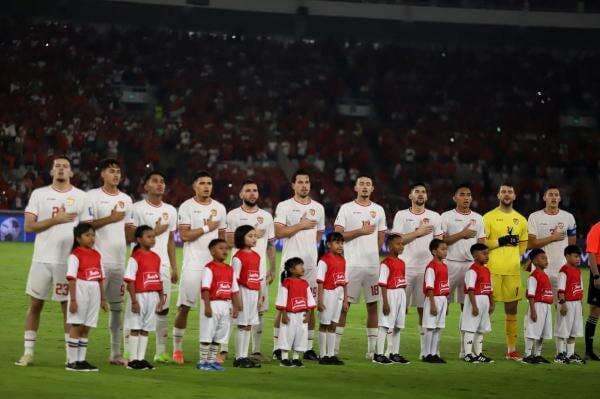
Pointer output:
x,y
374,290
55,210
61,289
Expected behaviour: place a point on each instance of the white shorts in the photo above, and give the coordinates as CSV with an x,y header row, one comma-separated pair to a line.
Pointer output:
x,y
542,328
216,328
249,314
571,324
363,280
310,275
456,279
554,282
294,334
439,321
165,276
414,287
146,319
44,277
397,301
189,287
480,323
88,304
264,294
333,300
114,286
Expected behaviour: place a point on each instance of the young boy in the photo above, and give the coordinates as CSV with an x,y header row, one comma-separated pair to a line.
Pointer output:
x,y
219,290
436,290
479,305
392,303
538,321
569,318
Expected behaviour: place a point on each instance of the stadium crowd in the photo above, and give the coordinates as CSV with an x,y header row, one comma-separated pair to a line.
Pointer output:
x,y
236,106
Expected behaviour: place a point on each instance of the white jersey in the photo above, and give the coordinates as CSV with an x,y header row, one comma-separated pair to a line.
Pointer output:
x,y
362,251
54,245
454,222
259,219
145,213
416,254
194,215
303,244
110,239
542,225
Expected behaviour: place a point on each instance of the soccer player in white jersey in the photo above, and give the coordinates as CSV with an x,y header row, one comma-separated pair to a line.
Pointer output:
x,y
201,220
552,229
462,229
363,225
250,214
52,213
153,212
418,226
111,210
300,222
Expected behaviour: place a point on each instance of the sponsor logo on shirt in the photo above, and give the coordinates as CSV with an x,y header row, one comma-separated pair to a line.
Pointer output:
x,y
339,277
223,287
150,278
253,276
298,303
92,274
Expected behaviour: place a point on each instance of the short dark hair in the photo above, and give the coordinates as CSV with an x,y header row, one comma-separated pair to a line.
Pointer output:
x,y
79,230
300,172
107,163
202,173
139,233
507,184
240,234
415,185
572,249
361,176
535,252
478,247
435,244
248,181
289,265
335,236
550,187
391,238
149,175
214,243
461,185
59,156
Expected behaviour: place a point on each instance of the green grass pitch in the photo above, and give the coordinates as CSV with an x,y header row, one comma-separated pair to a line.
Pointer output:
x,y
358,378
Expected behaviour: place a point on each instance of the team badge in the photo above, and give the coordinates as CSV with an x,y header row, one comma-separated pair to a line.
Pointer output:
x,y
213,212
516,221
312,212
260,220
70,201
561,225
373,214
121,204
472,222
165,216
426,221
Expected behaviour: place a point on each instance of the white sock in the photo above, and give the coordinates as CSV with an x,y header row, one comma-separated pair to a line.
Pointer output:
x,y
72,350
311,337
529,343
239,342
275,337
83,344
538,347
29,341
570,347
339,333
395,338
212,352
427,338
178,339
435,345
330,344
322,344
243,344
478,344
381,336
134,343
114,325
423,342
561,345
463,351
143,344
162,334
67,338
257,335
284,355
372,340
467,346
204,349
295,355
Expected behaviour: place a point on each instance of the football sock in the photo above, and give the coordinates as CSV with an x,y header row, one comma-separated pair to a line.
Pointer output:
x,y
72,350
395,346
339,333
134,341
178,339
435,344
257,335
114,325
478,344
330,344
529,343
371,340
511,332
83,344
29,341
570,347
381,336
141,353
275,337
162,334
468,338
212,352
590,330
311,337
322,344
538,347
204,349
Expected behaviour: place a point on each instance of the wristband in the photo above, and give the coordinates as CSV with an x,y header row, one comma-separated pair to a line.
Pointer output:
x,y
205,229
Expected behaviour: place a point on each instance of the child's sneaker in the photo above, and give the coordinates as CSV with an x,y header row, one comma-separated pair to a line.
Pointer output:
x,y
529,360
286,363
437,359
216,366
470,358
162,358
203,366
297,363
540,359
397,358
135,365
381,359
310,355
85,366
561,358
484,359
178,357
73,367
576,359
336,361
277,354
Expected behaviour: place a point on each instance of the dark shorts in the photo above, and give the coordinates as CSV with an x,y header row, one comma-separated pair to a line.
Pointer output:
x,y
593,293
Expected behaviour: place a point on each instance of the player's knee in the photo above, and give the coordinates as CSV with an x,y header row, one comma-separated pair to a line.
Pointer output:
x,y
36,306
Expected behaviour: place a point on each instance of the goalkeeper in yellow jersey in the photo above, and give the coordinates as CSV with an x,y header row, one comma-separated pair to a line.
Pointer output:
x,y
506,237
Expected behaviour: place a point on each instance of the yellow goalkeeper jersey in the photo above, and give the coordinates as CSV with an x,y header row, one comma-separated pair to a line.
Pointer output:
x,y
505,260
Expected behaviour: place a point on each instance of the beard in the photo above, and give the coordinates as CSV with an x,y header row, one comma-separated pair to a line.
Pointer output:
x,y
249,203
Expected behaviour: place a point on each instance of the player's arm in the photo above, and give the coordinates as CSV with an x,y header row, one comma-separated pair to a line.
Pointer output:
x,y
381,238
350,235
470,280
534,242
491,242
114,217
172,258
321,272
283,231
461,235
531,288
188,234
272,259
205,290
429,282
32,225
